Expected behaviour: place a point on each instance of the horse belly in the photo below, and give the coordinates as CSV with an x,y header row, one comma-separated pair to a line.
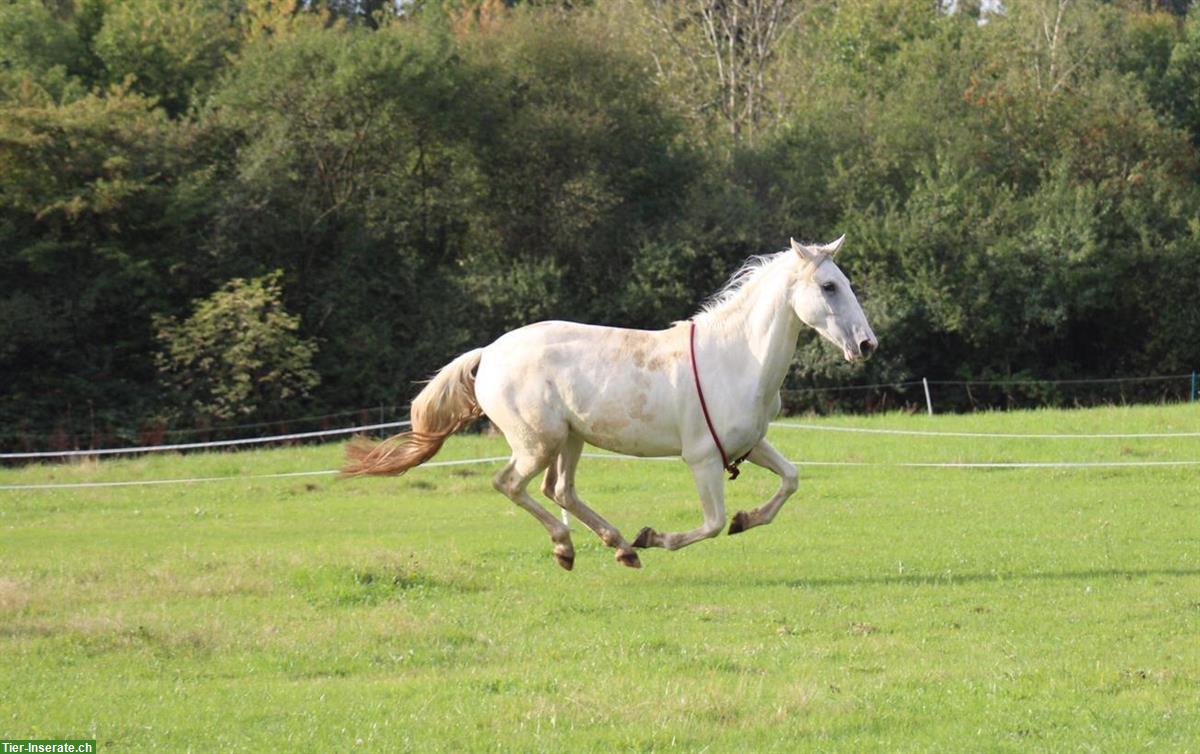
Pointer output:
x,y
635,441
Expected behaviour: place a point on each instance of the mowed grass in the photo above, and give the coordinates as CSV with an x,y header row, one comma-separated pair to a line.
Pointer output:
x,y
887,609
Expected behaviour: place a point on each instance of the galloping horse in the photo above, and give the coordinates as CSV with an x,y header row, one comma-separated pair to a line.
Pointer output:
x,y
704,389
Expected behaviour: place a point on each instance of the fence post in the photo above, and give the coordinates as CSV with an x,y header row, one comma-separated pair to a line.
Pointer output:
x,y
1193,385
928,400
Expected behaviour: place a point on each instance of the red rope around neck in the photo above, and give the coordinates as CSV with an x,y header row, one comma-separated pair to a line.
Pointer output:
x,y
732,468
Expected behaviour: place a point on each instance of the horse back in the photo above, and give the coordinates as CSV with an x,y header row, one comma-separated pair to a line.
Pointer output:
x,y
618,388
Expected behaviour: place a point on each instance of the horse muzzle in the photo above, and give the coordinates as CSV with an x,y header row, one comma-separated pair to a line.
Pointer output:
x,y
861,351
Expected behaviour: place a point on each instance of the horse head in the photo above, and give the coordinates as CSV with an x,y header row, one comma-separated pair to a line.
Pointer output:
x,y
823,299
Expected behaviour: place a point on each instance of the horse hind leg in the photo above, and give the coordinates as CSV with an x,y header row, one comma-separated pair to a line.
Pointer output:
x,y
551,478
562,491
513,480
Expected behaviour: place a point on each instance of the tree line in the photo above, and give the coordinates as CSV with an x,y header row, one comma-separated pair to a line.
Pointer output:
x,y
229,211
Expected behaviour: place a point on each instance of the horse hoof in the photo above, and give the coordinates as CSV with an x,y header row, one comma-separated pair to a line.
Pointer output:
x,y
565,559
644,537
629,558
739,523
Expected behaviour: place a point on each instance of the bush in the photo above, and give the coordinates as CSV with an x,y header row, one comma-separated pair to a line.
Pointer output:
x,y
238,354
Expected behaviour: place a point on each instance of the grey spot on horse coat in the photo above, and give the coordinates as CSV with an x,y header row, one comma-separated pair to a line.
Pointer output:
x,y
637,408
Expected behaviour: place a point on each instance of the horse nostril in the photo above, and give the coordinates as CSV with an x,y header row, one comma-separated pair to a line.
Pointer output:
x,y
866,347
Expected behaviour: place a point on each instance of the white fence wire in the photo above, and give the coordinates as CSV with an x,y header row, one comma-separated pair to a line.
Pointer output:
x,y
612,456
995,435
618,457
398,424
202,445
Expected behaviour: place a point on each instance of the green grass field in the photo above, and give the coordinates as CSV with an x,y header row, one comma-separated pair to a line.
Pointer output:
x,y
887,609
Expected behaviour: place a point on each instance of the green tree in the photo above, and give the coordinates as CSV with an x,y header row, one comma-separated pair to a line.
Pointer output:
x,y
1020,194
345,166
721,59
33,40
238,354
1181,93
86,251
1010,198
582,164
172,51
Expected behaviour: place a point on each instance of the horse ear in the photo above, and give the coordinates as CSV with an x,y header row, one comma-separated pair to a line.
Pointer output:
x,y
832,248
807,253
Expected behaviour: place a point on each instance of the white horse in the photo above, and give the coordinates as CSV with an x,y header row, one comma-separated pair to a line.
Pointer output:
x,y
704,389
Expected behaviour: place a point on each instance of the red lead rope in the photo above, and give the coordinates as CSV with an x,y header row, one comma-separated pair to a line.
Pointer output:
x,y
732,468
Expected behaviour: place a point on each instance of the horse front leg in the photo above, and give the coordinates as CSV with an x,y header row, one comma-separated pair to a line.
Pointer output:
x,y
710,483
763,454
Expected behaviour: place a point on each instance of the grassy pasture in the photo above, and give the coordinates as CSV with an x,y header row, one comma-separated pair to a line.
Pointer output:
x,y
887,609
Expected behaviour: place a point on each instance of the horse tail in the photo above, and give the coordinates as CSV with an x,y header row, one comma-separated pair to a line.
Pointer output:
x,y
445,405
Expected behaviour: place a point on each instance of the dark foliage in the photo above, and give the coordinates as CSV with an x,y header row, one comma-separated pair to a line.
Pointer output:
x,y
1018,204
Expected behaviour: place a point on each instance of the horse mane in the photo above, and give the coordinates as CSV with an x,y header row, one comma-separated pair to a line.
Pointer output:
x,y
752,269
744,277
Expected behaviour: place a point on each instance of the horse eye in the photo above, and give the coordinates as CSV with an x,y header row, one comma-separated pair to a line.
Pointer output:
x,y
828,287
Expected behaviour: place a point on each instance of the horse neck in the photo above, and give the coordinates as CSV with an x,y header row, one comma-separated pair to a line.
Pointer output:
x,y
758,330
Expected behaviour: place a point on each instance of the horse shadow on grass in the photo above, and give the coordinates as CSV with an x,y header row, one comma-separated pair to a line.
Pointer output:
x,y
957,579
